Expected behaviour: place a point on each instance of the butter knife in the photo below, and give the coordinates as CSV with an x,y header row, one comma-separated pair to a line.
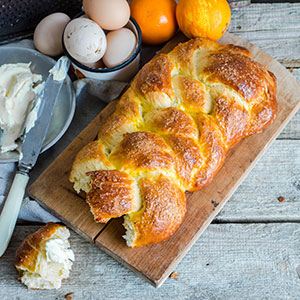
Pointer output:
x,y
32,144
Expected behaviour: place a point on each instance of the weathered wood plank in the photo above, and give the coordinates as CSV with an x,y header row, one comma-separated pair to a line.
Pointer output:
x,y
274,1
276,174
275,28
229,261
292,130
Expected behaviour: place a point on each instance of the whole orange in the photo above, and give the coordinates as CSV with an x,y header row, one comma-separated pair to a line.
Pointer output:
x,y
156,18
203,18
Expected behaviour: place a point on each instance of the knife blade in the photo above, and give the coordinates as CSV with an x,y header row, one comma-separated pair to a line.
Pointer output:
x,y
34,139
32,145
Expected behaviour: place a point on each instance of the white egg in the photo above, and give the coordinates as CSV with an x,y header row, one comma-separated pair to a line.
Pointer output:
x,y
121,44
48,33
85,40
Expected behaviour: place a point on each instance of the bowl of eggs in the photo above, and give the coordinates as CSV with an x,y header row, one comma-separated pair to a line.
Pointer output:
x,y
104,42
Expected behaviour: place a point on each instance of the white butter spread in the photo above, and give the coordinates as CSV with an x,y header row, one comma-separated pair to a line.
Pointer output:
x,y
58,251
18,88
32,116
59,72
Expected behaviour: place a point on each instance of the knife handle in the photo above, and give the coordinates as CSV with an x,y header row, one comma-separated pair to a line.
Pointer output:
x,y
10,211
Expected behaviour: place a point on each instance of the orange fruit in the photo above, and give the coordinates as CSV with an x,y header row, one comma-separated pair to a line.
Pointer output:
x,y
156,18
203,18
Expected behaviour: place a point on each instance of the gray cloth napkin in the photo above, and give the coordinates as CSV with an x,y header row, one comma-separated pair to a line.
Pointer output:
x,y
91,98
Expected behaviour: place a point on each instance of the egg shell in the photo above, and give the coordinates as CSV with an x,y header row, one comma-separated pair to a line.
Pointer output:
x,y
121,44
85,40
48,33
96,65
108,14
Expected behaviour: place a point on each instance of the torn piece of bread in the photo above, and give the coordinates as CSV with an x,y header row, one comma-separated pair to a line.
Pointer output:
x,y
44,258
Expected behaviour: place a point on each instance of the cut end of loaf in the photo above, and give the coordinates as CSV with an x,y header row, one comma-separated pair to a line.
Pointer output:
x,y
90,158
79,177
80,182
130,235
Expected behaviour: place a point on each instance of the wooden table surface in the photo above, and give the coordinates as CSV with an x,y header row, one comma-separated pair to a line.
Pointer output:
x,y
251,250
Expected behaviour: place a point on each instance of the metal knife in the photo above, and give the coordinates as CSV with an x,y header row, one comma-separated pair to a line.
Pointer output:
x,y
32,144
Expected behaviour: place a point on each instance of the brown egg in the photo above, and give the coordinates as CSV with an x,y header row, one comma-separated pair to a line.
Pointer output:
x,y
116,54
97,65
48,34
108,14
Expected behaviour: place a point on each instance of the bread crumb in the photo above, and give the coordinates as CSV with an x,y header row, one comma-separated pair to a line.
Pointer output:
x,y
281,199
69,296
291,70
173,275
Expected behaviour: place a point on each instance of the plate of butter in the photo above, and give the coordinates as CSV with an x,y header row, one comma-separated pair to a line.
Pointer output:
x,y
23,72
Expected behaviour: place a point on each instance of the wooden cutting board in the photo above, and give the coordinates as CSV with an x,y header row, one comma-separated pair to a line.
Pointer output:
x,y
154,263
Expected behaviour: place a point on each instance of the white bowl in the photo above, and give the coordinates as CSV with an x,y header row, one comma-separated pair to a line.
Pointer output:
x,y
122,72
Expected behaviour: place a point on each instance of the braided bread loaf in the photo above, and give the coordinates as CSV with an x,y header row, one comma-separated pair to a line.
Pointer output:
x,y
170,133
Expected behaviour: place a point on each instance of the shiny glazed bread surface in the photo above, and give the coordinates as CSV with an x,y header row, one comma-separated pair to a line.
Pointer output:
x,y
170,133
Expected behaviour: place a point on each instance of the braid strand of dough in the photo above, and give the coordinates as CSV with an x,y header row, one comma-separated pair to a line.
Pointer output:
x,y
170,133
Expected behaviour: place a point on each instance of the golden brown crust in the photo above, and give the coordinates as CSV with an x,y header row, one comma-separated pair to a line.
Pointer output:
x,y
236,71
92,151
129,107
192,93
114,126
163,211
172,120
28,251
181,114
232,119
113,194
188,158
237,49
213,151
155,77
184,54
142,151
26,256
264,110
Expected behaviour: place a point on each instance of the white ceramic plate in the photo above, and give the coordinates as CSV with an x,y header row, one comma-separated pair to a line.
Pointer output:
x,y
66,102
